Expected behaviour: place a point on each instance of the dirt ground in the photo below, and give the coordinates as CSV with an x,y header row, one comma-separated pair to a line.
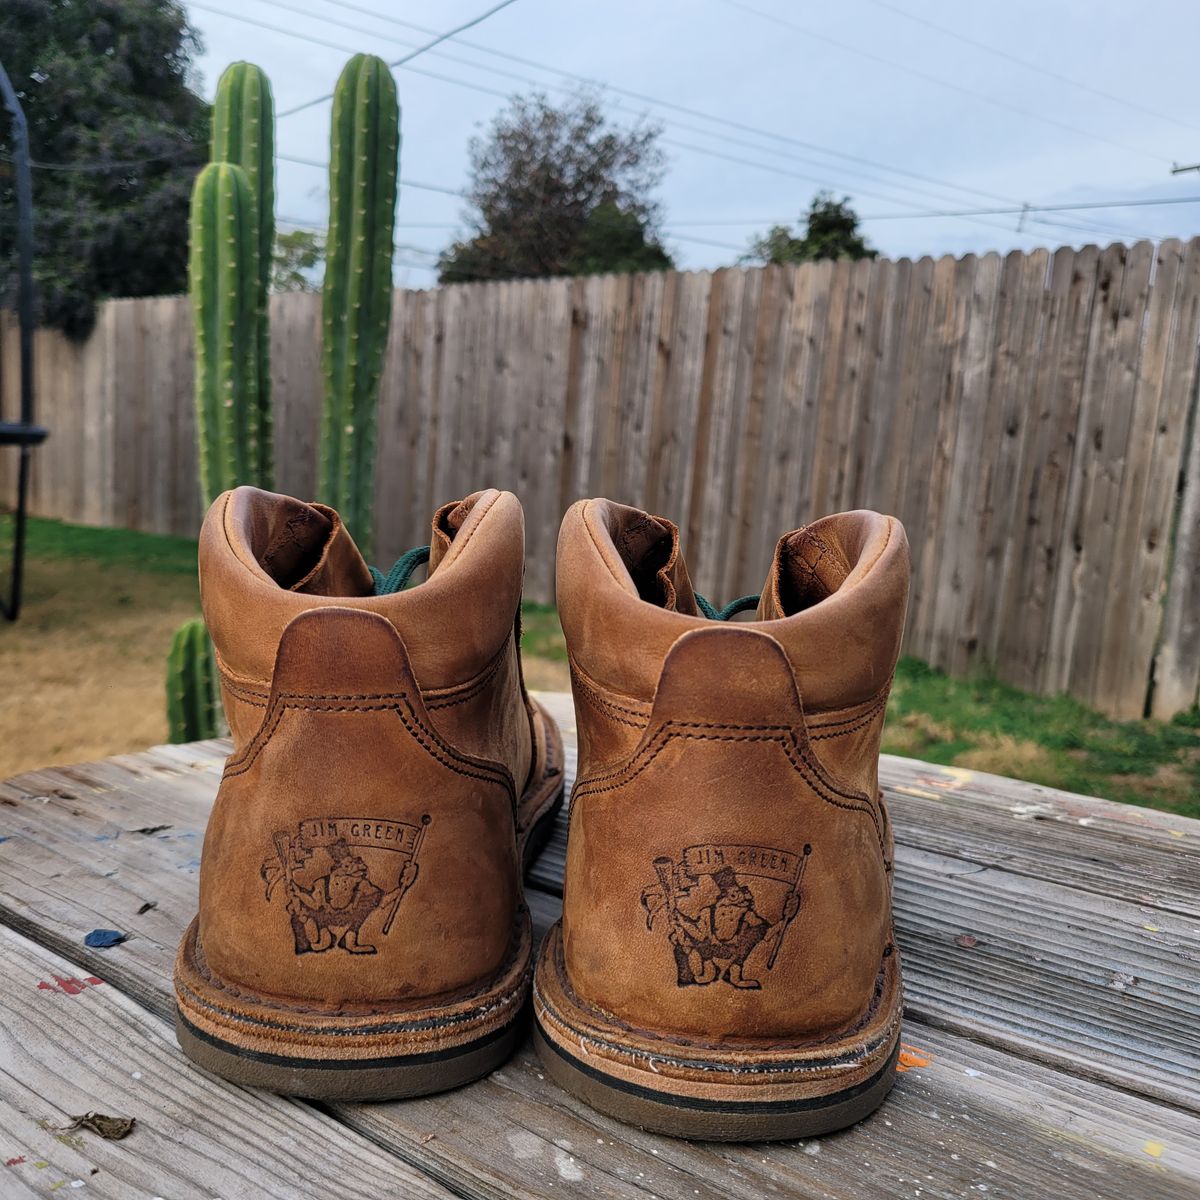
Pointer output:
x,y
82,671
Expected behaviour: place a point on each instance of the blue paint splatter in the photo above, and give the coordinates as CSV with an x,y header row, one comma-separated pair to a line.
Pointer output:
x,y
103,939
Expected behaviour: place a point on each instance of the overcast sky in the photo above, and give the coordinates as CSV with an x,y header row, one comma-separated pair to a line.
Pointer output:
x,y
930,88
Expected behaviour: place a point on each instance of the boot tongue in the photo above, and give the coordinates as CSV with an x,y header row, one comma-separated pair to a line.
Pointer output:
x,y
809,565
307,549
649,548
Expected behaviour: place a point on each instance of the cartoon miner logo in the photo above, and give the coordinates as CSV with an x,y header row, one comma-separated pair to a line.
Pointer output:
x,y
344,878
727,909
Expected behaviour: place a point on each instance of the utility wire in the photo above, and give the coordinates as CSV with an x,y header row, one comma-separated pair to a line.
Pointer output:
x,y
716,119
404,183
704,132
943,184
504,95
987,48
441,37
946,83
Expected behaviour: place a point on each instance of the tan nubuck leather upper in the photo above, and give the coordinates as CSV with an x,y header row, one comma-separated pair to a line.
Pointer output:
x,y
381,745
729,858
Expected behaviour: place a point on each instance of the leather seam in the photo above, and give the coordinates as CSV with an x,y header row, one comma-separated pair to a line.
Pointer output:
x,y
864,720
603,703
811,772
369,702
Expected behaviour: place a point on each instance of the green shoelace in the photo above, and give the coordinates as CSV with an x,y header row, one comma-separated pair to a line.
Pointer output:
x,y
396,580
731,610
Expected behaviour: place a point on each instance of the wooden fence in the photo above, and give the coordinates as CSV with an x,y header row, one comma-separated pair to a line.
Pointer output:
x,y
1030,418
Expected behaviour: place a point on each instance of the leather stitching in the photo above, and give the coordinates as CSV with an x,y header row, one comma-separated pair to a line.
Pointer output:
x,y
369,702
811,771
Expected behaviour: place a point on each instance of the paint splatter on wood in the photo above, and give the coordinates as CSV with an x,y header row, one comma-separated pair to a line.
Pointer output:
x,y
911,1057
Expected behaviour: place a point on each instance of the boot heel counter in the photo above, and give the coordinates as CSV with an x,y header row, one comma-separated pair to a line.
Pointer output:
x,y
721,881
350,844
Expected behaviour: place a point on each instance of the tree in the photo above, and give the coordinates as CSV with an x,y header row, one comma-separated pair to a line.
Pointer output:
x,y
831,232
560,191
298,255
105,88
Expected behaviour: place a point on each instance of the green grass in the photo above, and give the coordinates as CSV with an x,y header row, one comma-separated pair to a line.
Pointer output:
x,y
541,634
56,541
1051,740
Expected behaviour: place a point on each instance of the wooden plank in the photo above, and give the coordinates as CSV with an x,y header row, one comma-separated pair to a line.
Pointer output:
x,y
1017,349
822,481
677,424
1100,515
1172,525
878,328
1079,548
747,553
851,384
66,1050
1125,656
1033,559
715,417
297,391
542,456
937,430
953,632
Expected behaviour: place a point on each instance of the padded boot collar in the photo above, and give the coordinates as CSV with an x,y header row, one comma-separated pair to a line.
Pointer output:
x,y
834,600
264,559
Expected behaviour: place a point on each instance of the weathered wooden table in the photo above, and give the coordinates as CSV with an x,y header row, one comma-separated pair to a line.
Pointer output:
x,y
1052,963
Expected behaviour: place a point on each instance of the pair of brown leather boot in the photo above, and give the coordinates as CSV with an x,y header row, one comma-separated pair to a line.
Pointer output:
x,y
724,967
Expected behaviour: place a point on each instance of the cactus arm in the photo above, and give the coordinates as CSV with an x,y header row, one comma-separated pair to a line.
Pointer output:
x,y
191,679
358,284
222,277
243,132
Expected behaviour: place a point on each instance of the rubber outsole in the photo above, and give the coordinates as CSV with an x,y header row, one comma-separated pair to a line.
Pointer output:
x,y
713,1120
392,1078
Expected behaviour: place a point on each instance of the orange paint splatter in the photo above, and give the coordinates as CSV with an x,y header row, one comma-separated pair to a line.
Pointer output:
x,y
911,1056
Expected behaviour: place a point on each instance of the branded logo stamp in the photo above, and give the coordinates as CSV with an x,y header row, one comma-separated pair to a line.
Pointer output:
x,y
726,909
344,878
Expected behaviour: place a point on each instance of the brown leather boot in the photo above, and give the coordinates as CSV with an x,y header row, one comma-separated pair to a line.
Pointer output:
x,y
725,966
362,930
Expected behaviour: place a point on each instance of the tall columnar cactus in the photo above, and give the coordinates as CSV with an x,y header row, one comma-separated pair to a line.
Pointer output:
x,y
223,281
191,684
243,133
364,152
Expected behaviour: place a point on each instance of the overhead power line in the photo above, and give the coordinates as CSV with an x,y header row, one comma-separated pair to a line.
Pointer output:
x,y
441,37
934,79
1037,208
674,107
404,183
996,52
707,151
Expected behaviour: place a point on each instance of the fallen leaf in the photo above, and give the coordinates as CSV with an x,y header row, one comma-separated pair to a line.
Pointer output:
x,y
112,1129
968,941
